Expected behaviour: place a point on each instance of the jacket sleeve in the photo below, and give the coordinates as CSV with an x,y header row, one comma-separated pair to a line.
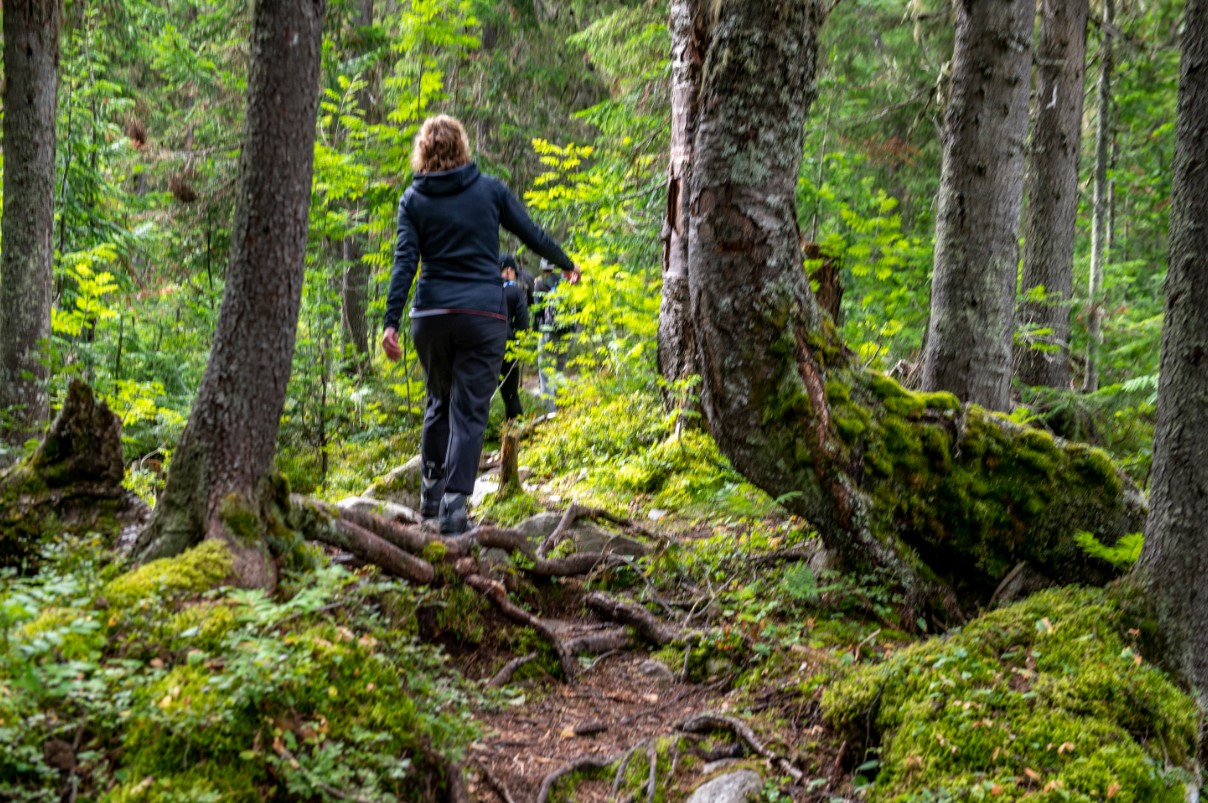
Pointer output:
x,y
514,218
521,319
406,261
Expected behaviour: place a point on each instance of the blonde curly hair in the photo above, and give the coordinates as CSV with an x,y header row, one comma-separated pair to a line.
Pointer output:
x,y
440,145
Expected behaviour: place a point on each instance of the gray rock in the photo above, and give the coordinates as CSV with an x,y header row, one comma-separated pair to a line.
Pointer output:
x,y
736,787
389,510
656,671
401,485
537,528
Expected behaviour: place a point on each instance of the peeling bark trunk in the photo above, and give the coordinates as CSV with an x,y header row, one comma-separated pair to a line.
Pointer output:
x,y
1052,190
676,346
31,61
219,485
1174,561
981,190
936,494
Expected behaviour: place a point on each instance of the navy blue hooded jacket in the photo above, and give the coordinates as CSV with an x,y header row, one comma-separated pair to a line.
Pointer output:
x,y
452,221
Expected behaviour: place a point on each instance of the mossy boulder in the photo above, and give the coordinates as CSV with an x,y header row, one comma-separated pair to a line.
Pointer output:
x,y
1047,699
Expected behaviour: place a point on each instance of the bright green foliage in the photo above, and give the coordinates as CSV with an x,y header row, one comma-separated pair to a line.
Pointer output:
x,y
1045,700
196,570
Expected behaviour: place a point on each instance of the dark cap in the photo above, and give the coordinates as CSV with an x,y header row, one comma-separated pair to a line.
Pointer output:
x,y
508,261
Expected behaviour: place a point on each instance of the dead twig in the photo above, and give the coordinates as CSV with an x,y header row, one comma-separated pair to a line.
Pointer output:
x,y
652,755
555,538
496,785
712,722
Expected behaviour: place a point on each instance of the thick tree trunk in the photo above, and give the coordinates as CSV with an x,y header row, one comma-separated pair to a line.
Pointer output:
x,y
676,348
936,494
1174,561
219,485
1052,191
31,61
981,189
1101,204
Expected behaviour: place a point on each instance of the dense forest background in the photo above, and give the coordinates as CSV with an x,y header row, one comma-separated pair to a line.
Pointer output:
x,y
149,684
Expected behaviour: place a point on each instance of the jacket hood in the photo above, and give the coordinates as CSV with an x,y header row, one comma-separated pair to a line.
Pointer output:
x,y
448,182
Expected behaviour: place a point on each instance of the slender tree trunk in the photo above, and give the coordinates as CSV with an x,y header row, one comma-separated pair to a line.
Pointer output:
x,y
1051,187
1174,561
676,349
1101,204
31,61
934,493
354,291
220,484
981,190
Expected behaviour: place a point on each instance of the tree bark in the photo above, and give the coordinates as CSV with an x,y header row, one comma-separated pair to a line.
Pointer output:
x,y
1051,187
981,189
1101,204
935,494
676,349
31,61
354,290
1175,557
220,485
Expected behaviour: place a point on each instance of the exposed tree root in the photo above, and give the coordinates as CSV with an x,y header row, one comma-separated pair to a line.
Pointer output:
x,y
713,722
504,675
496,785
644,622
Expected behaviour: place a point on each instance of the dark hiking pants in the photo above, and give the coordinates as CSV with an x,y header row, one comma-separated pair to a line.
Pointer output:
x,y
509,389
461,355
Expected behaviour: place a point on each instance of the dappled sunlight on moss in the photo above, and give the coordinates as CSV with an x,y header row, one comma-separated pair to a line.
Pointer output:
x,y
1046,699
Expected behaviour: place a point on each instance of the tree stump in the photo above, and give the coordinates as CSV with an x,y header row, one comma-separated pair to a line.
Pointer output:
x,y
72,482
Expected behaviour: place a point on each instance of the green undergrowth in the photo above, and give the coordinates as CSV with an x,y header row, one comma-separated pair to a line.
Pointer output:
x,y
157,685
1046,700
626,453
963,486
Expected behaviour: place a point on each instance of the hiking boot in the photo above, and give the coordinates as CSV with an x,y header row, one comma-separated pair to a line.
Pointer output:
x,y
453,518
430,491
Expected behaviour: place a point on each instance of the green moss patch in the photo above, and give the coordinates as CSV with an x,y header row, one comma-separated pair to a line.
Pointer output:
x,y
198,569
1044,700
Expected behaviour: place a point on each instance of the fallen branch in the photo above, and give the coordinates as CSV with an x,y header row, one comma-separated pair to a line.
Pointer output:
x,y
599,643
504,675
555,538
368,546
579,764
712,722
637,617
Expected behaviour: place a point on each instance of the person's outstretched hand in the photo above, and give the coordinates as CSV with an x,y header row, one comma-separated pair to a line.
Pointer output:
x,y
390,344
572,275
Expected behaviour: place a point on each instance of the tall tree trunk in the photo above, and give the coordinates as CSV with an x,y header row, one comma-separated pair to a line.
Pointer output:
x,y
354,290
981,189
220,485
1052,190
1101,204
1174,561
31,61
676,349
932,492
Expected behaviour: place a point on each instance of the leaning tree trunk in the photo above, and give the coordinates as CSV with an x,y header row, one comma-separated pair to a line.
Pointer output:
x,y
1174,560
31,61
219,485
676,349
1100,205
1052,191
935,493
981,190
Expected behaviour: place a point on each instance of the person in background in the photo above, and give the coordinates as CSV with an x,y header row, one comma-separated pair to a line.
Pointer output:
x,y
551,348
449,218
518,321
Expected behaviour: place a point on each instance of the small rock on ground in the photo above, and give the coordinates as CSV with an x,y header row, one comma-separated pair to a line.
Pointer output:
x,y
736,787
